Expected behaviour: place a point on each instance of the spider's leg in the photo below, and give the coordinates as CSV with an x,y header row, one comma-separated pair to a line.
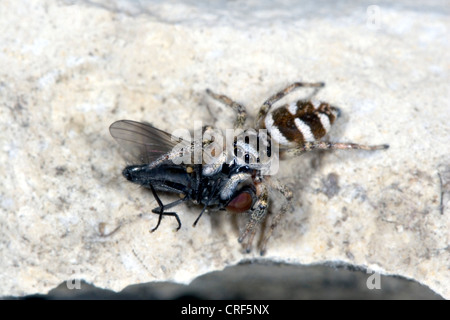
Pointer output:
x,y
238,108
287,193
325,145
258,214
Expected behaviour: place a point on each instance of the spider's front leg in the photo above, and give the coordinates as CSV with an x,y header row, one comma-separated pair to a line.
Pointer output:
x,y
258,214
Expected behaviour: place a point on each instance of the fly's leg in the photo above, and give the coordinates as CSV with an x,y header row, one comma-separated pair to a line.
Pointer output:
x,y
160,210
265,108
239,109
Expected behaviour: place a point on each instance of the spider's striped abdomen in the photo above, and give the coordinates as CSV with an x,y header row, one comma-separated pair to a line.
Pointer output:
x,y
301,121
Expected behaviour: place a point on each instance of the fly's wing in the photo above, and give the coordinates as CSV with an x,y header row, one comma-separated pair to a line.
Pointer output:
x,y
143,142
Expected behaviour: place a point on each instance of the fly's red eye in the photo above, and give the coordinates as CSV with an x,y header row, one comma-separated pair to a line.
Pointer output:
x,y
241,203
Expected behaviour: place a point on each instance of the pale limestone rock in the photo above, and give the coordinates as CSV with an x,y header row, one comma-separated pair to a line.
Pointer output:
x,y
70,69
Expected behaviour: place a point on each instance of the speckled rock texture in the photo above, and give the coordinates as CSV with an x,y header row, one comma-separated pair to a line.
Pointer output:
x,y
71,68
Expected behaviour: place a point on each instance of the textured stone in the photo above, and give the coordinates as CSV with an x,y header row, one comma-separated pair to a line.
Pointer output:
x,y
73,68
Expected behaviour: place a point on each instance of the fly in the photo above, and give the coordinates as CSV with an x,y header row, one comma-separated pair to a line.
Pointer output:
x,y
153,152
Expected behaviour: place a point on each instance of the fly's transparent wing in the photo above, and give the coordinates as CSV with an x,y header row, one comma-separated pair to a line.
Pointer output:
x,y
143,142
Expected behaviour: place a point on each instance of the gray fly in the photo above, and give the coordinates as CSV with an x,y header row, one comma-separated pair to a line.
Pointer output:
x,y
152,152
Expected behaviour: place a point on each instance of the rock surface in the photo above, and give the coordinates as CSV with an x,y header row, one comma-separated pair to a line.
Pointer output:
x,y
72,68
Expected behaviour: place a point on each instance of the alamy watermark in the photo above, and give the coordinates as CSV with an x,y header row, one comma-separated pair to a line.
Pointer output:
x,y
74,283
373,281
210,146
373,17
